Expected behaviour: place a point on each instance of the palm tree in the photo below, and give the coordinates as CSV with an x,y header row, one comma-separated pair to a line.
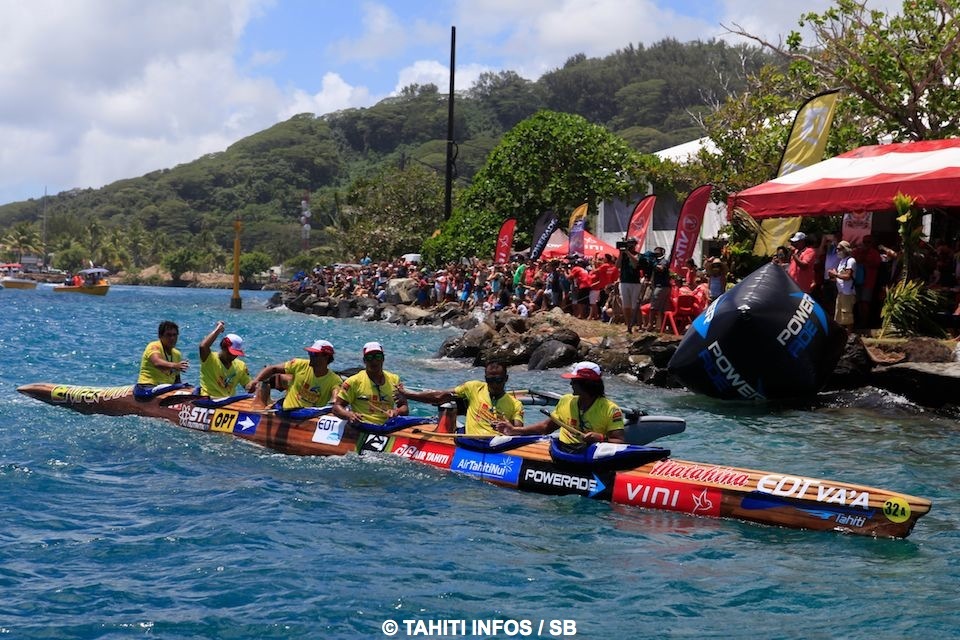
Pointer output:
x,y
23,238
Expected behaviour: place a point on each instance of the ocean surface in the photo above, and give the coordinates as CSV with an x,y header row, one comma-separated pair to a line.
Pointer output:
x,y
126,527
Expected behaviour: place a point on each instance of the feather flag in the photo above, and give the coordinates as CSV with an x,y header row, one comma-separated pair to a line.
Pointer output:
x,y
505,241
805,147
688,226
640,219
546,224
577,221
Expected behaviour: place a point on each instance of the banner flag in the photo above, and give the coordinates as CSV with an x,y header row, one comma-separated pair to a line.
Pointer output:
x,y
546,224
805,147
577,221
640,220
505,241
688,227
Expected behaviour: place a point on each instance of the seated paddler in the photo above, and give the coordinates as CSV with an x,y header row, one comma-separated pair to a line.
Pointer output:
x,y
584,416
312,383
161,362
490,409
372,395
222,372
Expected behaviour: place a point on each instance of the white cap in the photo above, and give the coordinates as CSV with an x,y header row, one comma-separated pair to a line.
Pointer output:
x,y
583,371
233,343
372,347
320,346
798,236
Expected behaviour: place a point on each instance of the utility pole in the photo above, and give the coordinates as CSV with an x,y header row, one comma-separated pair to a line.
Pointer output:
x,y
448,192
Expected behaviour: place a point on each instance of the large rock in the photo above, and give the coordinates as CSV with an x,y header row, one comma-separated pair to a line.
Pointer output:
x,y
932,384
414,315
509,350
853,369
470,344
552,354
402,290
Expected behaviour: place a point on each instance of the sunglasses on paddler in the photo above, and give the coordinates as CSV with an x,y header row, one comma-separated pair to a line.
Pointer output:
x,y
495,379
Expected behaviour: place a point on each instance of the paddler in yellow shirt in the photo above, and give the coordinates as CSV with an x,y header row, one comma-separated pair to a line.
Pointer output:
x,y
372,394
489,407
584,416
312,382
221,373
161,362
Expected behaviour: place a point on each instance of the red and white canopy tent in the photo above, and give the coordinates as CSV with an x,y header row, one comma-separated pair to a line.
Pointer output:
x,y
558,246
865,179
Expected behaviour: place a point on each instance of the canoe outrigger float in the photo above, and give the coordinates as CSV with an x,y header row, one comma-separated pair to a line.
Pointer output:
x,y
634,474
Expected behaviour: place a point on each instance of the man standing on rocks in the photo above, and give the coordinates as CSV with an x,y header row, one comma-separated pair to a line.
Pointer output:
x,y
629,265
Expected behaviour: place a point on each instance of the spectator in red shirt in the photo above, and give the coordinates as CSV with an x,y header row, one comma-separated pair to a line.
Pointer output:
x,y
869,258
603,275
580,279
802,262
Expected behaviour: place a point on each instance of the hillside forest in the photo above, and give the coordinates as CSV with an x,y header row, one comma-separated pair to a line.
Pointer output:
x,y
371,172
373,179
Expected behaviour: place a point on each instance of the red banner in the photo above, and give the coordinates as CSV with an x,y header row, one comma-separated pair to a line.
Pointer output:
x,y
505,242
640,220
688,227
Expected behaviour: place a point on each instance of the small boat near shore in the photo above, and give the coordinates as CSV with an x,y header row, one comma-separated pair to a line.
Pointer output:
x,y
636,475
12,277
93,283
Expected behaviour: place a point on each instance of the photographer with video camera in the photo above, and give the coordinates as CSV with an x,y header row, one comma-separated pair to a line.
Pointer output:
x,y
631,274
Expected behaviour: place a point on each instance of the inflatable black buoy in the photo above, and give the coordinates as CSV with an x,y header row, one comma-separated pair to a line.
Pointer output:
x,y
764,339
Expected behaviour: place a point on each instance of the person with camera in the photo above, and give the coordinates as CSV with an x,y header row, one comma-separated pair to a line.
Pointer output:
x,y
628,262
661,296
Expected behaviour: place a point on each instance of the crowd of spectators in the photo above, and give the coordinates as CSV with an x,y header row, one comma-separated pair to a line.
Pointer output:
x,y
813,265
590,288
586,288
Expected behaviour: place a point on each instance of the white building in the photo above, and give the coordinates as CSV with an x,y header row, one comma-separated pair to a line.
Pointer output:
x,y
615,215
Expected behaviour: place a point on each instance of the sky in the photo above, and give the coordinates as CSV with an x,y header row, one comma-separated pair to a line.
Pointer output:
x,y
95,91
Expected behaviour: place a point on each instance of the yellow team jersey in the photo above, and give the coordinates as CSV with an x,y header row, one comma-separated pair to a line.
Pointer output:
x,y
482,411
218,381
370,400
603,416
150,374
306,389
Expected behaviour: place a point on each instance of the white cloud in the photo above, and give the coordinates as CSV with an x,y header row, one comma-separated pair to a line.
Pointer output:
x,y
438,73
335,94
109,89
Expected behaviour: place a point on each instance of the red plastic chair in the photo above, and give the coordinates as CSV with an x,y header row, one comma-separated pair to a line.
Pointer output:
x,y
682,313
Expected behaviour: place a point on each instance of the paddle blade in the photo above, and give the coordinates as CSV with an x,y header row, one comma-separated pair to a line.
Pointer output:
x,y
649,428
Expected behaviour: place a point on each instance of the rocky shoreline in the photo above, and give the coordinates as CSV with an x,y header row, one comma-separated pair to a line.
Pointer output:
x,y
923,370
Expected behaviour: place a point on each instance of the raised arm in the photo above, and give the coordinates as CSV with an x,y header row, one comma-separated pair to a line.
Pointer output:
x,y
207,342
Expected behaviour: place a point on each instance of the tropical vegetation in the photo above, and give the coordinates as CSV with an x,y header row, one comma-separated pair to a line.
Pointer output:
x,y
372,178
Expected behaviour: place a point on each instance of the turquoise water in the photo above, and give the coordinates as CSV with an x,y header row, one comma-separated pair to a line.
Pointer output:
x,y
124,527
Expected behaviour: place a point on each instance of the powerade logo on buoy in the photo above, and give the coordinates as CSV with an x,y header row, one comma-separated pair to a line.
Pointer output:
x,y
801,329
701,324
724,375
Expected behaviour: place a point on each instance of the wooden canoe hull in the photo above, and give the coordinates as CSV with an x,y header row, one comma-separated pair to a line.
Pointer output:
x,y
694,488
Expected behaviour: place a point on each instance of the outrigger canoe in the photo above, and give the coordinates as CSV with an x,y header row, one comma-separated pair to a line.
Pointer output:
x,y
650,479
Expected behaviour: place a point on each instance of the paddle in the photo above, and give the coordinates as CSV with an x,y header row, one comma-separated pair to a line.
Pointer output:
x,y
200,400
645,430
434,434
180,398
